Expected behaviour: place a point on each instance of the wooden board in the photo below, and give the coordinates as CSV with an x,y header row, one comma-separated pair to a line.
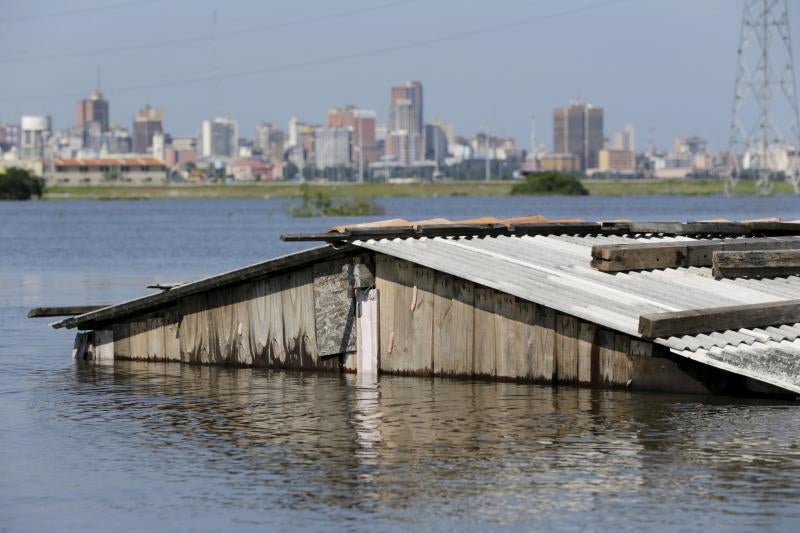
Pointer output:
x,y
607,356
388,288
485,332
516,336
122,341
421,330
72,310
507,345
240,311
566,348
334,307
367,325
453,326
277,343
759,264
299,330
544,354
257,338
155,339
622,364
644,256
406,316
588,351
719,319
140,340
172,349
193,329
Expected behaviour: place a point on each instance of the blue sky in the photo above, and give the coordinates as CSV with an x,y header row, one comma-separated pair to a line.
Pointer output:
x,y
665,65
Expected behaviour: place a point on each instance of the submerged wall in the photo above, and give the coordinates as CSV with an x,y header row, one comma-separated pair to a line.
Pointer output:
x,y
429,323
300,319
435,324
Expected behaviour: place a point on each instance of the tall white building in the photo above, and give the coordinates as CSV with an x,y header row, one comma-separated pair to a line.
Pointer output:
x,y
34,132
625,139
219,138
332,147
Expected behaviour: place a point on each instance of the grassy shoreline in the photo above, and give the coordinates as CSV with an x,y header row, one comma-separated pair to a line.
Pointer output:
x,y
376,190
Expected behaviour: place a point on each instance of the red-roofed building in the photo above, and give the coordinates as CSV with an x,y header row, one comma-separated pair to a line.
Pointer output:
x,y
134,170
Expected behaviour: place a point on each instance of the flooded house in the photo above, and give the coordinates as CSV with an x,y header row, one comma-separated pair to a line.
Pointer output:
x,y
696,307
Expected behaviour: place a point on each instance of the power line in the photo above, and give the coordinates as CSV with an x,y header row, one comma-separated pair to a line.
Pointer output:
x,y
204,38
339,58
79,11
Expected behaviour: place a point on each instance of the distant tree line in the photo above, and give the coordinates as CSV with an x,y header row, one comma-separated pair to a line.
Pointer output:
x,y
542,183
20,184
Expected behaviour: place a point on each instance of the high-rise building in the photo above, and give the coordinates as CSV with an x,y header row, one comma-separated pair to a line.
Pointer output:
x,y
269,139
624,140
219,138
405,138
148,121
435,143
93,109
332,147
34,131
300,141
364,148
578,130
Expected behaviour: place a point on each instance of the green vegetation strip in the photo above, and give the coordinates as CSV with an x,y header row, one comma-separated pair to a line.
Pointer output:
x,y
375,190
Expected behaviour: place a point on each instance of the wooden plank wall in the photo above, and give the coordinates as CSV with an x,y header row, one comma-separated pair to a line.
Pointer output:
x,y
433,323
269,322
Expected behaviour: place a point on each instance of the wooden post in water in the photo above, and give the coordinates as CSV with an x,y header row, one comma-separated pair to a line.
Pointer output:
x,y
367,332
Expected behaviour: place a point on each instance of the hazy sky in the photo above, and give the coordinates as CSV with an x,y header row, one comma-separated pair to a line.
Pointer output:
x,y
665,65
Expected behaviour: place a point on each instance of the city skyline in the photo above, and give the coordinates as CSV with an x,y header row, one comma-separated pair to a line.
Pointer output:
x,y
525,75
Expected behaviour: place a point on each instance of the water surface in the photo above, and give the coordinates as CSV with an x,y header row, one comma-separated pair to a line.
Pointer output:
x,y
137,446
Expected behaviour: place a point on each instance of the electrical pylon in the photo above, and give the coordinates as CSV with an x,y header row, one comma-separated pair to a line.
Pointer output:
x,y
765,123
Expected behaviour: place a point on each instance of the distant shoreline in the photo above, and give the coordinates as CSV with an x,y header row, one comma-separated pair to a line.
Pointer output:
x,y
677,187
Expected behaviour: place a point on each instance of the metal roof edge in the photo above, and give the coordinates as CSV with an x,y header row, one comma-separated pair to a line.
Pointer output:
x,y
154,301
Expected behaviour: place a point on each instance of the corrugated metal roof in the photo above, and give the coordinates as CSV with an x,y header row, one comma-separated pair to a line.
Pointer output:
x,y
555,271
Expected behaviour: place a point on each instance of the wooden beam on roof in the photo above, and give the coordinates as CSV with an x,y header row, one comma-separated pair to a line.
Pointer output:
x,y
450,230
71,310
675,324
756,264
717,228
648,256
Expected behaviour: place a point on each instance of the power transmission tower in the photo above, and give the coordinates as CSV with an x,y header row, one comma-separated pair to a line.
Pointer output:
x,y
765,123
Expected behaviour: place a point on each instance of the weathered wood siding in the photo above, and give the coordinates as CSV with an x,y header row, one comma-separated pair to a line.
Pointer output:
x,y
429,323
279,322
433,323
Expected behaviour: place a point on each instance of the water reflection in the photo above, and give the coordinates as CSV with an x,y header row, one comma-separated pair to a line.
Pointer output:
x,y
407,449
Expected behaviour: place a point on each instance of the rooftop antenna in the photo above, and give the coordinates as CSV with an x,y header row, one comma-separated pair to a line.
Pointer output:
x,y
98,85
533,135
765,96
